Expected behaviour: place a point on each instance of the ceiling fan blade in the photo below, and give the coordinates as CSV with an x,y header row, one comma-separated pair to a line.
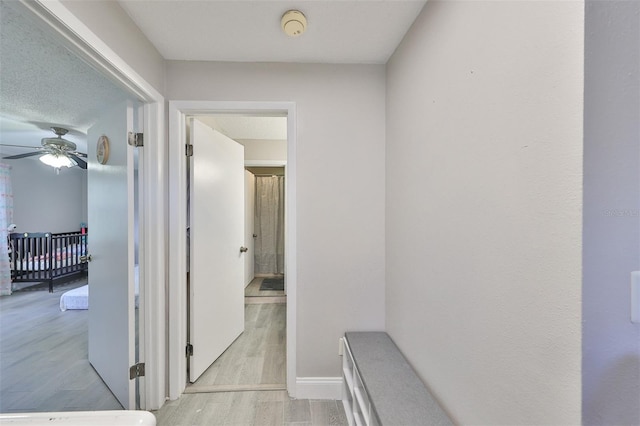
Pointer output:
x,y
79,154
80,162
28,154
20,146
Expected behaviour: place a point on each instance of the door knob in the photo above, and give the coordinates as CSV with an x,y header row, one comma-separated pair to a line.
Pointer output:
x,y
243,249
85,258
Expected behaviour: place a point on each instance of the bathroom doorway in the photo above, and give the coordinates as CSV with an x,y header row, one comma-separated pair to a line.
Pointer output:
x,y
268,231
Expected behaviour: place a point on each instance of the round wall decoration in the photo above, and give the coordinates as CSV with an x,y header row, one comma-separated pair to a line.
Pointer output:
x,y
102,150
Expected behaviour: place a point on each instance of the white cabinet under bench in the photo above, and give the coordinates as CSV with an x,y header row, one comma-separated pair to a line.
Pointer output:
x,y
381,388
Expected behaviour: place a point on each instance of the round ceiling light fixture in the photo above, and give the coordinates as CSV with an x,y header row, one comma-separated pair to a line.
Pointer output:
x,y
293,23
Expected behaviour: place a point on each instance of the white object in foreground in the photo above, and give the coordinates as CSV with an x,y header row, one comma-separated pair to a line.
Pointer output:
x,y
77,418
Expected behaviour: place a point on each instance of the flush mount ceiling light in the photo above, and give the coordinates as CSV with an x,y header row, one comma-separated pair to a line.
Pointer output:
x,y
293,23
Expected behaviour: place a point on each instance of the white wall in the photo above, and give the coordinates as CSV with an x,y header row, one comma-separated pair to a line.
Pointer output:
x,y
249,219
340,223
611,343
484,177
115,28
46,202
264,149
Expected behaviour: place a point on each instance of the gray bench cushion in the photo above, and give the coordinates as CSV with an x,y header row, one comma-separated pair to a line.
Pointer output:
x,y
397,395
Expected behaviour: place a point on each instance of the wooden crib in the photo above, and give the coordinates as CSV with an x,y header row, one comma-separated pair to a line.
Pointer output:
x,y
46,256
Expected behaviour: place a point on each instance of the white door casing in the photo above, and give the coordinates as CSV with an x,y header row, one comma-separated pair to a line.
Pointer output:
x,y
178,111
216,296
111,246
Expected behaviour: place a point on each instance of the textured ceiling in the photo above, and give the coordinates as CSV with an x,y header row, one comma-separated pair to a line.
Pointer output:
x,y
339,31
42,84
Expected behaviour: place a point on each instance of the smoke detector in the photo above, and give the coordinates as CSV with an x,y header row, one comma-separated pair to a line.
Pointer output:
x,y
293,23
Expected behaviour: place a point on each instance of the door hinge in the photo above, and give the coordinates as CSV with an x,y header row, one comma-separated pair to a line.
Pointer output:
x,y
136,370
136,139
189,350
189,150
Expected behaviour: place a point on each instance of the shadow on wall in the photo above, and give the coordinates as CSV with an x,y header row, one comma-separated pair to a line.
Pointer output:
x,y
615,401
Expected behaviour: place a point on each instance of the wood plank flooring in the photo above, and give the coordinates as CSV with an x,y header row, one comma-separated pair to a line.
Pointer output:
x,y
257,357
250,408
232,391
44,367
44,362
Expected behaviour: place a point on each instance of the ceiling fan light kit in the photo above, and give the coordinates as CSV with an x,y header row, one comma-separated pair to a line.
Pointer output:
x,y
293,23
57,152
56,161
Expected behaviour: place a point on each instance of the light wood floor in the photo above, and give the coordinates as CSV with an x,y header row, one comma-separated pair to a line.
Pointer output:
x,y
257,357
44,356
44,367
249,408
255,360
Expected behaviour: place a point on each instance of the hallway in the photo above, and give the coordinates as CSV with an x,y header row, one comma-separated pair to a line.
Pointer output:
x,y
247,384
257,359
249,408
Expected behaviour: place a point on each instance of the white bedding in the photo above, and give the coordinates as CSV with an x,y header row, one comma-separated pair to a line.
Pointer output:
x,y
78,298
65,257
43,265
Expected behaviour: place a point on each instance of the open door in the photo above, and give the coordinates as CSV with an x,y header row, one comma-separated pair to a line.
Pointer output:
x,y
110,187
216,290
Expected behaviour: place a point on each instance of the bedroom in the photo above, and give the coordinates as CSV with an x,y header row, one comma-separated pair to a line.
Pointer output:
x,y
69,94
33,319
44,201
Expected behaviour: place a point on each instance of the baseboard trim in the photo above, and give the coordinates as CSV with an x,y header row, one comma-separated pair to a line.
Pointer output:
x,y
319,388
234,388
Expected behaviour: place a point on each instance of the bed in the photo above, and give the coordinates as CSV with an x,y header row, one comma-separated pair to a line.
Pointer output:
x,y
78,298
46,256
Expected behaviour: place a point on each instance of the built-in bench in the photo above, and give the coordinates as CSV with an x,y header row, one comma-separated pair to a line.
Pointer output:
x,y
381,388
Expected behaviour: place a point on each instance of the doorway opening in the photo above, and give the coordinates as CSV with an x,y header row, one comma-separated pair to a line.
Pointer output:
x,y
66,209
180,113
266,228
79,40
231,204
268,221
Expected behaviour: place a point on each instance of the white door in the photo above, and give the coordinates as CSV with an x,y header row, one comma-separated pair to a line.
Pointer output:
x,y
110,188
216,296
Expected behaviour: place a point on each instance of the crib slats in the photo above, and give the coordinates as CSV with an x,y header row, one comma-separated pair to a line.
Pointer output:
x,y
44,256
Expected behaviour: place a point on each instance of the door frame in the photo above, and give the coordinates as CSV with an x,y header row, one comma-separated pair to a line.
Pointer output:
x,y
153,233
177,294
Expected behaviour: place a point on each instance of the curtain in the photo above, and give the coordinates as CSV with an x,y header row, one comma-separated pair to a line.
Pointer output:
x,y
6,218
269,225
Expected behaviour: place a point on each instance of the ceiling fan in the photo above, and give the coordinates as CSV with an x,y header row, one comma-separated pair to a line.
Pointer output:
x,y
56,152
